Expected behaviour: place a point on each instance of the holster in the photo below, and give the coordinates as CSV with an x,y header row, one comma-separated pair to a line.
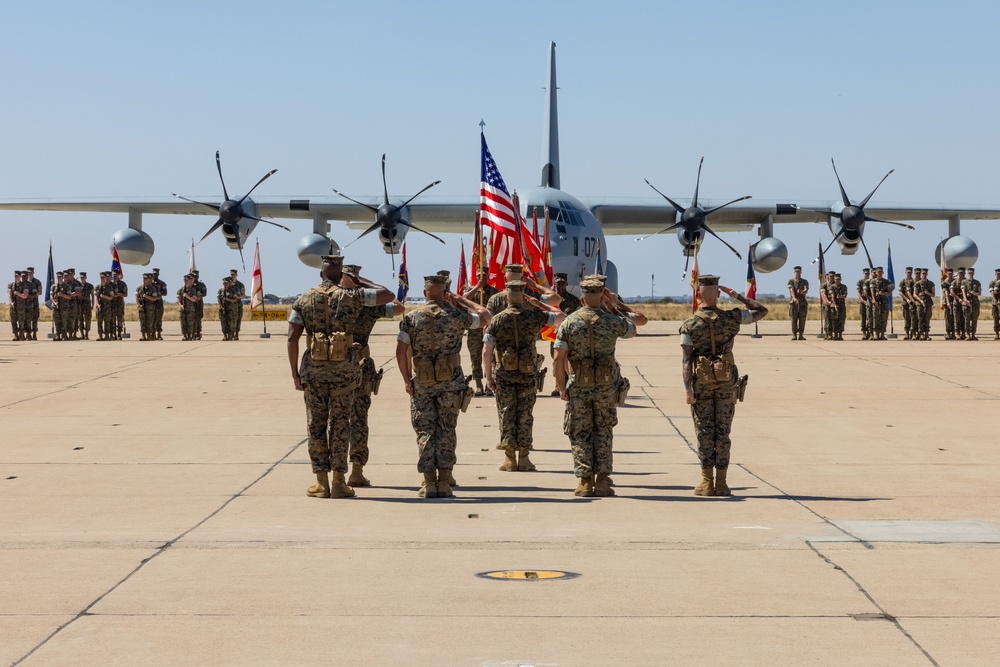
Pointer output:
x,y
377,381
622,394
467,394
540,379
741,388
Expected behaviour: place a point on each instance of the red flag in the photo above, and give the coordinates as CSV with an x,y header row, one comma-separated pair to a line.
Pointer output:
x,y
751,276
116,265
477,248
462,276
257,284
547,250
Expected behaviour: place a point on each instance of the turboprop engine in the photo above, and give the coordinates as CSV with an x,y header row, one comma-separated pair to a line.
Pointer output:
x,y
689,240
134,246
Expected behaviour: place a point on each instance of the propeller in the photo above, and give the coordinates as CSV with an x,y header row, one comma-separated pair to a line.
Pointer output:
x,y
853,216
389,216
694,217
231,210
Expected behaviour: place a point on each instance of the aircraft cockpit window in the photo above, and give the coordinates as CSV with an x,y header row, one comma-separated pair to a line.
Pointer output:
x,y
570,215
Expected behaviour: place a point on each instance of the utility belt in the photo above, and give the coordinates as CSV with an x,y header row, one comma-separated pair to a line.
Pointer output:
x,y
525,361
330,347
431,371
599,372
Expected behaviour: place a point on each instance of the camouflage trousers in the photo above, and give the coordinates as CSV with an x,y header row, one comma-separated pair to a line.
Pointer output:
x,y
475,344
434,416
147,321
863,314
158,316
972,317
328,409
925,311
589,421
996,319
797,314
119,317
199,309
33,314
515,408
187,316
958,315
359,427
229,319
909,321
713,419
949,321
86,313
66,323
830,315
18,325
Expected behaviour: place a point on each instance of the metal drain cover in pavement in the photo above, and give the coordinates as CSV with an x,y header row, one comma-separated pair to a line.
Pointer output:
x,y
527,575
934,532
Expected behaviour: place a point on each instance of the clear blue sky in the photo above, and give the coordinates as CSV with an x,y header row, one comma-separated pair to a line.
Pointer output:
x,y
119,99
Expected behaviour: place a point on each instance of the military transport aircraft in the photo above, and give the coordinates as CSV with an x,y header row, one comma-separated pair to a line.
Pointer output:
x,y
578,225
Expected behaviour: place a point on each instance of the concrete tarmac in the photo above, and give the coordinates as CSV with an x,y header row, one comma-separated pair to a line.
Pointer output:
x,y
153,512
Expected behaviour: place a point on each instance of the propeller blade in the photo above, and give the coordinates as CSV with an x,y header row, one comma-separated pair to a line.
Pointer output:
x,y
370,229
843,193
713,210
831,214
239,245
385,188
673,226
393,256
367,206
865,246
214,207
709,230
865,201
218,164
889,222
411,226
687,258
677,206
835,237
270,222
266,176
403,205
698,182
218,223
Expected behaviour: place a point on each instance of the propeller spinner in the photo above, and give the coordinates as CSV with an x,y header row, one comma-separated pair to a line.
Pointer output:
x,y
231,211
389,216
853,216
694,217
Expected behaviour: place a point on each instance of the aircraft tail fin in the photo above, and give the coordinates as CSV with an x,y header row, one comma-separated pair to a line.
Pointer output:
x,y
550,133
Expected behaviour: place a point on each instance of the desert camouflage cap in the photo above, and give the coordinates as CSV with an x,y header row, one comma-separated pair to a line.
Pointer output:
x,y
514,268
591,285
707,280
516,285
560,278
435,279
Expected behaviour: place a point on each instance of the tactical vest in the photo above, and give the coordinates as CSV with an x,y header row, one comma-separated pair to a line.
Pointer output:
x,y
715,369
594,370
433,369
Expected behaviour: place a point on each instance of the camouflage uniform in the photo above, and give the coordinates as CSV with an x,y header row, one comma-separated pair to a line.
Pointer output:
x,y
958,306
863,307
33,306
714,405
239,291
158,305
105,309
831,314
188,311
121,291
925,285
16,307
973,290
591,412
474,340
840,298
147,309
515,330
329,386
435,332
995,293
86,306
69,309
880,305
906,295
798,311
200,306
361,330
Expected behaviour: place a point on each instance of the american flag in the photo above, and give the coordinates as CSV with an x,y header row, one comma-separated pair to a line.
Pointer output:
x,y
496,208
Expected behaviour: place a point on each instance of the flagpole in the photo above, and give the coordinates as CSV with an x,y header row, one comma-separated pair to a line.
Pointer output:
x,y
756,331
892,281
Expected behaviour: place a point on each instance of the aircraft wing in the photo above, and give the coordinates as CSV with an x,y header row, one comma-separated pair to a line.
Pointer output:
x,y
649,215
433,214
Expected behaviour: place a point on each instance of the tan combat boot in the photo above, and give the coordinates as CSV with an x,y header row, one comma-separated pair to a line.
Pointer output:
x,y
451,480
524,464
428,488
443,487
707,486
339,488
357,477
721,488
601,487
509,460
585,488
321,489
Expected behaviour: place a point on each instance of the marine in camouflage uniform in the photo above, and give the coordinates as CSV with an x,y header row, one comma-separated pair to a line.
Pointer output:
x,y
239,291
361,330
428,354
949,304
145,296
158,305
86,306
587,376
905,287
326,313
105,296
200,309
839,291
959,303
33,307
121,291
16,307
69,309
995,300
481,292
187,299
863,298
707,341
973,290
798,303
832,313
511,363
881,289
925,292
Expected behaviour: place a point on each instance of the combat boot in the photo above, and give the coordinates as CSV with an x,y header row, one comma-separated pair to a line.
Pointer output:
x,y
428,488
357,477
524,464
509,460
321,489
996,336
601,487
721,488
585,488
451,480
443,487
707,486
339,488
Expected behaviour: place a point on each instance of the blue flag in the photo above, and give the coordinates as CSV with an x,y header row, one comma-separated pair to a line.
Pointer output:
x,y
404,279
892,278
48,280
